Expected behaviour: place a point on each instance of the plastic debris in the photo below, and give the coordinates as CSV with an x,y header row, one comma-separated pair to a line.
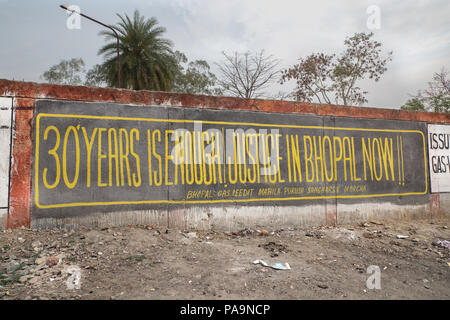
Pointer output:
x,y
277,265
443,244
399,236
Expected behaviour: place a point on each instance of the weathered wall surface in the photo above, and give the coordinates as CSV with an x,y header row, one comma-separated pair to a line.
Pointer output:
x,y
439,157
96,156
5,143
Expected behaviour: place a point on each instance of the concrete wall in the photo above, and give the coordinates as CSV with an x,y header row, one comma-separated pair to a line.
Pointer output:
x,y
403,194
5,156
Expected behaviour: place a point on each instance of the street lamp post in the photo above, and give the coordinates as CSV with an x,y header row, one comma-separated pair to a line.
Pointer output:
x,y
106,26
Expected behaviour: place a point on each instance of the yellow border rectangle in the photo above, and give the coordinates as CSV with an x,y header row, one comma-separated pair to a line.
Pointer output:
x,y
80,204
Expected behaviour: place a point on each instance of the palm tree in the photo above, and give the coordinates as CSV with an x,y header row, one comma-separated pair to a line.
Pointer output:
x,y
146,60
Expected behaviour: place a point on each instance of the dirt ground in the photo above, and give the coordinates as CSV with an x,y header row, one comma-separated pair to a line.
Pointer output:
x,y
143,262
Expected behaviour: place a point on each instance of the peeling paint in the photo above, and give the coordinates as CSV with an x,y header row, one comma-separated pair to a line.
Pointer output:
x,y
26,93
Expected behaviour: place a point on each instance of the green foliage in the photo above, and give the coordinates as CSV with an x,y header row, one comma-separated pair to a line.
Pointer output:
x,y
436,98
440,103
137,258
72,258
195,78
12,278
146,59
69,72
96,76
413,104
72,72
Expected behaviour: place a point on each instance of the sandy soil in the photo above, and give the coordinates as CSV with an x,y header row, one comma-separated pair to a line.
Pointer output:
x,y
144,262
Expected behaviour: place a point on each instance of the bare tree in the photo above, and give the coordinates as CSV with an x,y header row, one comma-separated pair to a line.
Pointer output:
x,y
434,99
440,84
247,75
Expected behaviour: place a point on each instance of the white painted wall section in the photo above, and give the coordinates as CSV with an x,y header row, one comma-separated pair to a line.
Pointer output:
x,y
5,140
439,157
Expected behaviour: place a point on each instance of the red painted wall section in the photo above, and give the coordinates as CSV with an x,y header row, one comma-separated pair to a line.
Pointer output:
x,y
330,214
78,93
20,179
435,205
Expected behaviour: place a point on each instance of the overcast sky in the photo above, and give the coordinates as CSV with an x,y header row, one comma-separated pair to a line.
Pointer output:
x,y
34,34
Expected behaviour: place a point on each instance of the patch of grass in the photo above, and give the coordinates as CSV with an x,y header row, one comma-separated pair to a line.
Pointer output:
x,y
137,258
6,247
12,279
71,259
35,256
